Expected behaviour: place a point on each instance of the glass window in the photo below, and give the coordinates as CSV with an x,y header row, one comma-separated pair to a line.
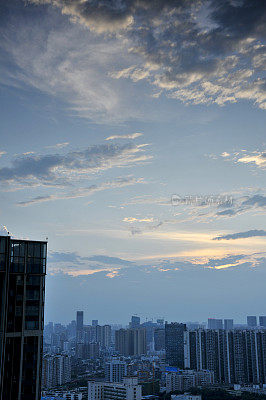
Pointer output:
x,y
17,264
31,325
32,310
33,280
33,294
2,262
2,245
34,249
43,250
18,249
34,265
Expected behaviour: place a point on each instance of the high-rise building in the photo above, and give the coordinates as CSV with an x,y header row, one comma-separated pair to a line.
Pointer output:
x,y
135,322
131,342
228,324
56,370
251,321
22,280
80,315
72,329
128,390
159,339
235,356
174,344
103,336
94,322
214,323
115,371
262,321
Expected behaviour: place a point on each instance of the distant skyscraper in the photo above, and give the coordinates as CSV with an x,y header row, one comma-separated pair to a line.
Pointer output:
x,y
80,315
262,321
174,344
252,321
22,280
228,324
159,339
135,322
214,323
103,335
95,322
130,342
80,325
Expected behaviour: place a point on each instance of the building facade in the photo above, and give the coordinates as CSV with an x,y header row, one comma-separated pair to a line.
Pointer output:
x,y
183,380
115,371
22,284
214,323
131,342
235,356
56,370
228,324
174,344
251,321
159,339
128,390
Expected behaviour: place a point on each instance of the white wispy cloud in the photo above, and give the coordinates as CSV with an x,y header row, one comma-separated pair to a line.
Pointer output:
x,y
134,219
128,136
83,192
256,158
58,145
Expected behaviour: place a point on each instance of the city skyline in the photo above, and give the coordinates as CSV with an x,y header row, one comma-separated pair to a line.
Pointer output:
x,y
135,142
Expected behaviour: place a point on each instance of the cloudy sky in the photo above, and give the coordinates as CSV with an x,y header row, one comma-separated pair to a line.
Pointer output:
x,y
133,137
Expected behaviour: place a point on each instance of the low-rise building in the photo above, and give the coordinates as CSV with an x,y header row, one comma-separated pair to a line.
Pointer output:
x,y
185,396
115,371
186,379
128,390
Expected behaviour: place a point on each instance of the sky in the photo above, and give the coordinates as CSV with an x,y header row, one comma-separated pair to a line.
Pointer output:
x,y
132,136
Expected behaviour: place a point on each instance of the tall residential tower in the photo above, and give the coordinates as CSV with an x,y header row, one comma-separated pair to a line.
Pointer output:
x,y
22,279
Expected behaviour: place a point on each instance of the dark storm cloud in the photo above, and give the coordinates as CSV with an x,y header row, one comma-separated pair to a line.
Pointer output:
x,y
59,169
202,51
242,235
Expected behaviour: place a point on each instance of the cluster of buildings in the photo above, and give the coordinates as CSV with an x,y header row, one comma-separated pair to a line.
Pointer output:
x,y
183,380
234,355
92,361
56,370
169,356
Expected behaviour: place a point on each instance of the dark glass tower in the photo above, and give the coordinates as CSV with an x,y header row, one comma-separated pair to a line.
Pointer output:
x,y
174,344
22,279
